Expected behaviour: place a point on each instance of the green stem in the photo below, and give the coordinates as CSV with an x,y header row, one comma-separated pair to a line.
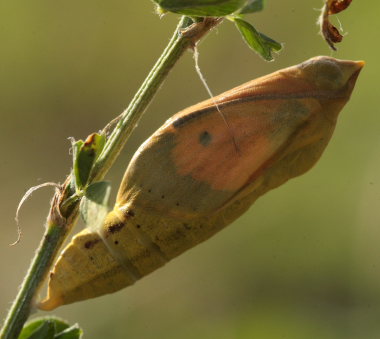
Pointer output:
x,y
56,230
140,101
178,44
62,218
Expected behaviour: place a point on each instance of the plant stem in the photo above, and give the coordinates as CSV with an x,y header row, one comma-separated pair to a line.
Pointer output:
x,y
56,231
22,306
61,220
178,44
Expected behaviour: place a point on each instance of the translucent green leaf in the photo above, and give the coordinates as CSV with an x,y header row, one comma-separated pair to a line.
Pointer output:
x,y
201,7
276,46
94,205
31,327
257,41
45,331
73,332
99,192
252,6
85,153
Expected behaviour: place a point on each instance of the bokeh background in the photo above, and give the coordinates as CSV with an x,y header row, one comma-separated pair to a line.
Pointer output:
x,y
302,263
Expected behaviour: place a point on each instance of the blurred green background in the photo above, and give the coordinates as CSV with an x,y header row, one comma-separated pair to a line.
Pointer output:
x,y
302,263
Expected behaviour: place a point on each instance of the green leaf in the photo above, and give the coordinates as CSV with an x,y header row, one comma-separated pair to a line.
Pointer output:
x,y
257,41
40,324
276,46
252,6
45,331
73,332
85,153
94,205
201,7
99,192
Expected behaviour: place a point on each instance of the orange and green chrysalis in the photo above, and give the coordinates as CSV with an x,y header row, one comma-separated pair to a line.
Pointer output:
x,y
187,181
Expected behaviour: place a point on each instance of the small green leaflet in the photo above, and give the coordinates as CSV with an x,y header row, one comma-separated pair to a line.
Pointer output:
x,y
257,41
85,153
44,331
201,8
50,328
94,205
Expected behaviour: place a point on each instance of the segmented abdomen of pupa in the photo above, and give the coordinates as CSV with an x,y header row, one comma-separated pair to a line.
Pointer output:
x,y
124,251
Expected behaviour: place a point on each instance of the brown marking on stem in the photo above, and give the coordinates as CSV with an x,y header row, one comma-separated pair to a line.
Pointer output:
x,y
90,139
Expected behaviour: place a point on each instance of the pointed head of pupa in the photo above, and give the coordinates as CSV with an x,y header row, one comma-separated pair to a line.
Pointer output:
x,y
331,75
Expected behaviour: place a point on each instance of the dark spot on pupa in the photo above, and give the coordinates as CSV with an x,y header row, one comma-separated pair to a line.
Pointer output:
x,y
177,204
130,213
51,275
91,243
162,197
92,258
149,191
205,138
116,242
138,226
176,235
187,226
116,227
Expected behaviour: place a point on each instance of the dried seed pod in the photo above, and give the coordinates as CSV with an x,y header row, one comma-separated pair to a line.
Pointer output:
x,y
328,30
187,182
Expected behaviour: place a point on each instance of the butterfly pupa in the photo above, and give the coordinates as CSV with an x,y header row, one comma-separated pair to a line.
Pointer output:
x,y
187,182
